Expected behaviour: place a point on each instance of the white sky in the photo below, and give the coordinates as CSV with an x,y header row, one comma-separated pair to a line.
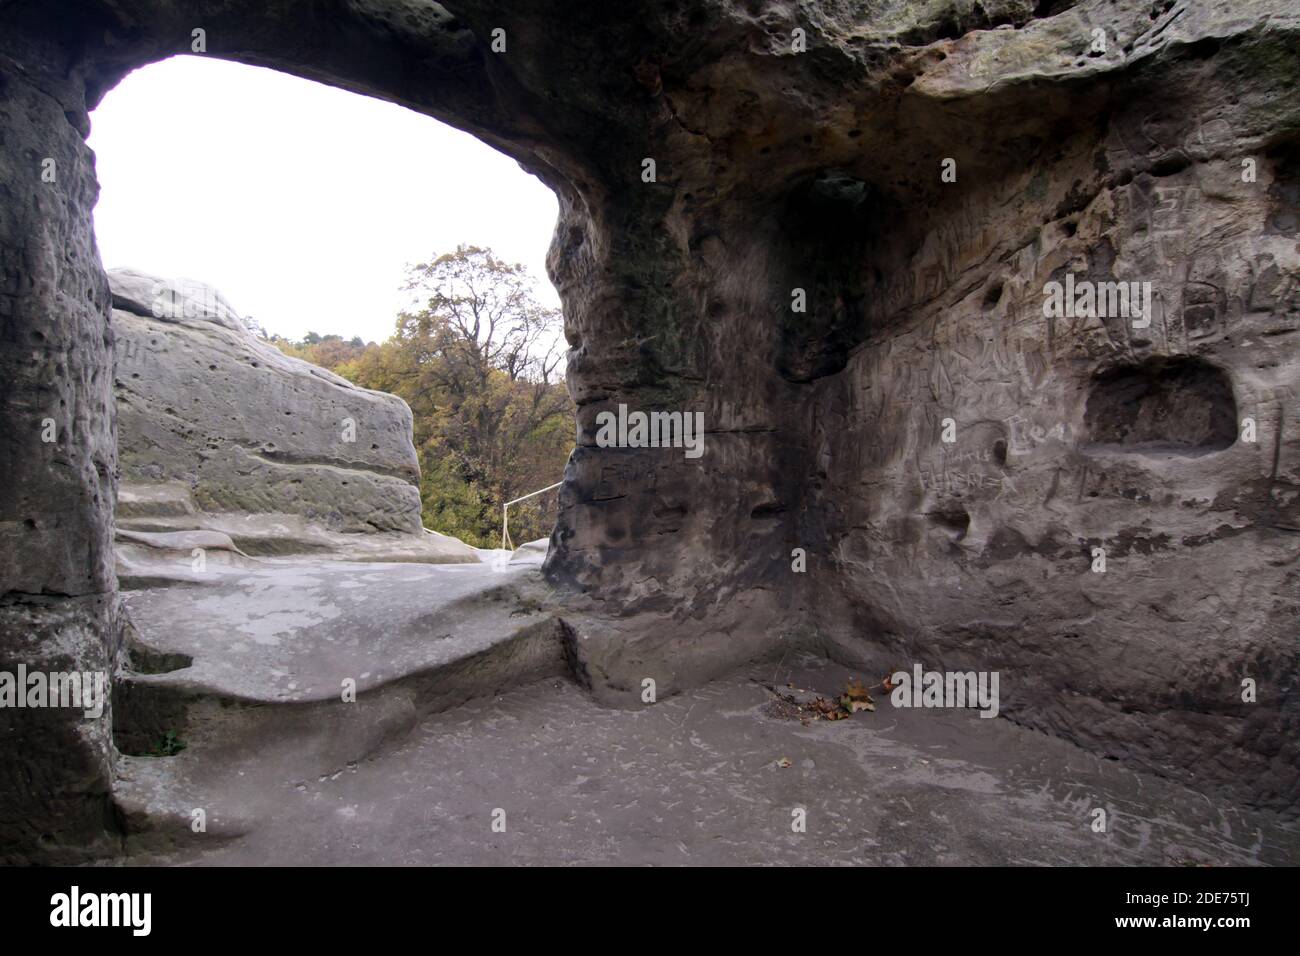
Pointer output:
x,y
301,203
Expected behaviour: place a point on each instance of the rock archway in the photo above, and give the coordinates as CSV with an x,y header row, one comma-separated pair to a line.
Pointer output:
x,y
920,174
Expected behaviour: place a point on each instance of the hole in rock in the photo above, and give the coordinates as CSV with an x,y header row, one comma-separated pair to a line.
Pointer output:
x,y
1204,48
1284,191
334,251
992,296
1006,543
1175,406
1050,8
954,520
1171,163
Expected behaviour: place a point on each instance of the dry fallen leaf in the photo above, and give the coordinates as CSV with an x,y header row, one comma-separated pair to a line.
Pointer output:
x,y
788,707
857,691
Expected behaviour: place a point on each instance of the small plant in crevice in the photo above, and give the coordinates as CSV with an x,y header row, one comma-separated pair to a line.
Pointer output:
x,y
170,745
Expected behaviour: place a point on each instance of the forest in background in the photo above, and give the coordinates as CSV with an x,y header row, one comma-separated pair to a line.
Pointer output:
x,y
478,359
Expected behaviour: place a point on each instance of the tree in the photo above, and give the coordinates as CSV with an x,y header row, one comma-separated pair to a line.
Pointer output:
x,y
479,363
480,315
478,360
329,351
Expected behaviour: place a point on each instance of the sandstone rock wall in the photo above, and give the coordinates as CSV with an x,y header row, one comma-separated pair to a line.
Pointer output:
x,y
221,432
58,592
1168,158
203,402
1075,435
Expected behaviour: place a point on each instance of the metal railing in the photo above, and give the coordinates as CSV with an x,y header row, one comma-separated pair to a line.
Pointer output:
x,y
506,543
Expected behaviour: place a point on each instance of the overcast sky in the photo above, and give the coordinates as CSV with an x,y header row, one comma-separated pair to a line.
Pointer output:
x,y
301,203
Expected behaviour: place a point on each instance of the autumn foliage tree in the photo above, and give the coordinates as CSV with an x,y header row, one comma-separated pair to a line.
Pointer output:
x,y
478,359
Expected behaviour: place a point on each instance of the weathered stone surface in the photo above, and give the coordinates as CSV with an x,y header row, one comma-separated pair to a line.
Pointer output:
x,y
220,433
140,293
58,602
56,778
531,552
204,402
693,781
293,669
821,170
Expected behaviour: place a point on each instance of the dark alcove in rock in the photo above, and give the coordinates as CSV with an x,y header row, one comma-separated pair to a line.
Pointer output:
x,y
1180,406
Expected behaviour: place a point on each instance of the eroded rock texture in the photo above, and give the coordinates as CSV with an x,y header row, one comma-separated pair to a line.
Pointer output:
x,y
220,430
206,404
782,168
823,172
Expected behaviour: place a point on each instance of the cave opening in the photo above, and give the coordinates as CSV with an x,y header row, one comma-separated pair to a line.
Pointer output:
x,y
331,460
307,205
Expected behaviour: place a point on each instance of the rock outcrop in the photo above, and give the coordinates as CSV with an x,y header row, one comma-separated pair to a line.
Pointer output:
x,y
832,229
847,263
222,431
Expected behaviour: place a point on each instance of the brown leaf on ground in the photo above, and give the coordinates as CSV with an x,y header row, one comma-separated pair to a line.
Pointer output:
x,y
789,707
857,691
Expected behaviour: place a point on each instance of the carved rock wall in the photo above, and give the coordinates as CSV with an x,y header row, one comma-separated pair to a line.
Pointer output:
x,y
1168,160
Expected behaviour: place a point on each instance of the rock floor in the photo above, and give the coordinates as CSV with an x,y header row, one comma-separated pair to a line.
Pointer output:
x,y
291,631
699,779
